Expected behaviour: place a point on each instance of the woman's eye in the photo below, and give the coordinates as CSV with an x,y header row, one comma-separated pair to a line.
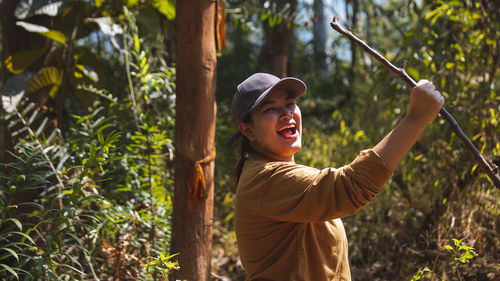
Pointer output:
x,y
269,109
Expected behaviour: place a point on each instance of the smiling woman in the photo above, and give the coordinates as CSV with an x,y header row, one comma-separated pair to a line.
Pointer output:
x,y
287,216
274,127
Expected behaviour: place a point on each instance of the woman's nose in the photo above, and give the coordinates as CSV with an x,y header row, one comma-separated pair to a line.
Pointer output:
x,y
285,113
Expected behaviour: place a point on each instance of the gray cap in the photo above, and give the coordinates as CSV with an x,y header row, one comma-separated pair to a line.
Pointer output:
x,y
255,89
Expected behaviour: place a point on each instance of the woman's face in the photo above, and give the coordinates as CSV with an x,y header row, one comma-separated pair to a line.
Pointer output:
x,y
275,127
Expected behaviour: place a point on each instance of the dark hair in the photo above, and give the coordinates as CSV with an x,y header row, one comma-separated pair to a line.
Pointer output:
x,y
245,151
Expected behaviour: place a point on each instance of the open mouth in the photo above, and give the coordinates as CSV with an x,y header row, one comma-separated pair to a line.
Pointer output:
x,y
288,131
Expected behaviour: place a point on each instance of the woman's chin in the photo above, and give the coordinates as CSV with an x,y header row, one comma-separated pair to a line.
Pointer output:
x,y
295,147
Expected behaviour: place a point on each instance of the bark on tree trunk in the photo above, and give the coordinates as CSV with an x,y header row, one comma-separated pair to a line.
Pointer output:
x,y
320,34
354,23
194,137
274,53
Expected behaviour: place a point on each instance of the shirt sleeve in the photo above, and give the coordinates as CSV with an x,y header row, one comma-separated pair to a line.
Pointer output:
x,y
299,193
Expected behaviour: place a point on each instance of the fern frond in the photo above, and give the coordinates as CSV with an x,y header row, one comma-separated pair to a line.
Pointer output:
x,y
42,127
47,76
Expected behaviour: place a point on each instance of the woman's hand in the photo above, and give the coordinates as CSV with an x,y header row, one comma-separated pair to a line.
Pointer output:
x,y
425,102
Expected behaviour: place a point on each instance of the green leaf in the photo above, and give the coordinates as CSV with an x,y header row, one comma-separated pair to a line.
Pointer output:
x,y
20,61
42,30
463,260
449,248
417,276
468,255
100,137
29,8
72,268
88,72
32,204
24,235
165,7
449,65
107,26
47,76
16,84
91,158
360,135
12,252
465,248
13,90
98,3
52,275
16,221
413,73
436,13
131,3
78,240
55,35
9,269
39,265
137,43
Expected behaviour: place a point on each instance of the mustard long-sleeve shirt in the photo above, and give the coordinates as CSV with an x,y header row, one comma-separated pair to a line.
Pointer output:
x,y
287,216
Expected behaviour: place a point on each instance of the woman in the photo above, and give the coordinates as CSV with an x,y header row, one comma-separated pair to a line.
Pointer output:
x,y
287,216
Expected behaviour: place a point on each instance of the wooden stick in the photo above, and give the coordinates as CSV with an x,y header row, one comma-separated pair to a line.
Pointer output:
x,y
410,82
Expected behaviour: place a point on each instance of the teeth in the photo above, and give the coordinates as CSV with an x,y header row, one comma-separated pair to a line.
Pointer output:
x,y
287,127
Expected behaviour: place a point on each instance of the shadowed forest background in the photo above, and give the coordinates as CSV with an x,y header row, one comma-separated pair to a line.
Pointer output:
x,y
110,109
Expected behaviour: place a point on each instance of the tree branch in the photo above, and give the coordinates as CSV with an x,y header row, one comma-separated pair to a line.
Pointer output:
x,y
410,82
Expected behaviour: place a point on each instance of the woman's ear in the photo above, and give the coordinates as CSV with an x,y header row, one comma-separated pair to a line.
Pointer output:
x,y
246,130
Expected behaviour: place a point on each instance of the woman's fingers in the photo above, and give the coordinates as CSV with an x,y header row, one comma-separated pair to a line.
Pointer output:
x,y
422,82
425,101
426,85
439,97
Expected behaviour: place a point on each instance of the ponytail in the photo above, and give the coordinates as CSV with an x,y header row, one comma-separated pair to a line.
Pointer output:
x,y
245,152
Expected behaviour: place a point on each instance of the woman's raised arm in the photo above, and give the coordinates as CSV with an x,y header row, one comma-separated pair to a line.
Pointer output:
x,y
425,103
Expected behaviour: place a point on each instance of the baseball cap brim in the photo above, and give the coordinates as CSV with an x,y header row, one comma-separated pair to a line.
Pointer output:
x,y
291,84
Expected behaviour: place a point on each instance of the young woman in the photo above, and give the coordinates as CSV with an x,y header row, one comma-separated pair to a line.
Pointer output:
x,y
287,216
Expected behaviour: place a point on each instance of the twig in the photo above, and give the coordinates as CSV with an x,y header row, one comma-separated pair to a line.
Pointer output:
x,y
129,78
410,82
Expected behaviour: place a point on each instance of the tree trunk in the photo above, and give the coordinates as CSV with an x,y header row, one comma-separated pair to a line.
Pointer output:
x,y
274,53
194,138
320,35
354,23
